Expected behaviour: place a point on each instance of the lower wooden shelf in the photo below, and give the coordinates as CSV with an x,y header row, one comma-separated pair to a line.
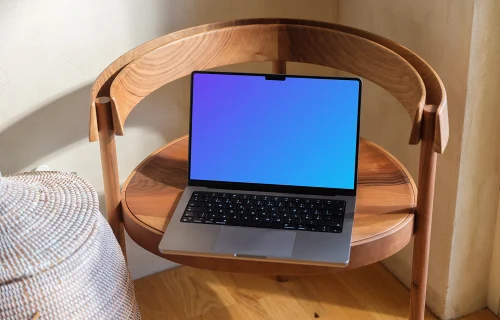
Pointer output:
x,y
383,222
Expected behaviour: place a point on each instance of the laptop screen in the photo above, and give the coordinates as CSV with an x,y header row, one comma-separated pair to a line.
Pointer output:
x,y
274,130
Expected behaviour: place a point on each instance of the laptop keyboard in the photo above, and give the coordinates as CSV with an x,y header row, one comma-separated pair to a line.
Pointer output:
x,y
291,213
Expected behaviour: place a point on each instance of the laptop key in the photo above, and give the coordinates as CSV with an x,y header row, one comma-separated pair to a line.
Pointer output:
x,y
220,221
312,228
324,228
337,225
335,230
289,226
187,219
209,221
194,209
301,227
198,220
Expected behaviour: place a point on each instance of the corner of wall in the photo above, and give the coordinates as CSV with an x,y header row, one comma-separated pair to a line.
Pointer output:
x,y
479,171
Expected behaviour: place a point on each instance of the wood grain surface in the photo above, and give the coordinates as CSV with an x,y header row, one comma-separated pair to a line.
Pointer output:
x,y
383,222
296,43
109,164
434,92
368,293
423,224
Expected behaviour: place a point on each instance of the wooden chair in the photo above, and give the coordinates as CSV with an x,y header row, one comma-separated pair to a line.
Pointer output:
x,y
132,77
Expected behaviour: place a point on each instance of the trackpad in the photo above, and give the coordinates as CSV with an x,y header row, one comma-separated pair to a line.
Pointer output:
x,y
255,242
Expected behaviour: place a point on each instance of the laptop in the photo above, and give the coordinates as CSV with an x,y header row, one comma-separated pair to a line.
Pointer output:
x,y
272,169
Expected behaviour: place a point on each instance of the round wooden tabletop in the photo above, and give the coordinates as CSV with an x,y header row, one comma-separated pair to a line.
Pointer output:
x,y
383,221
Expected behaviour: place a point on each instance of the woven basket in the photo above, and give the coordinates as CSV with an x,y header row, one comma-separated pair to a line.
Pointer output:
x,y
59,258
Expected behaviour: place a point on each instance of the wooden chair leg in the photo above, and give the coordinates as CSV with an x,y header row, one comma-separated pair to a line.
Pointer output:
x,y
282,278
425,200
109,164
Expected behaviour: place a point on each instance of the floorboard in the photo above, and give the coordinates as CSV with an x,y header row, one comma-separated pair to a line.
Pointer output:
x,y
368,293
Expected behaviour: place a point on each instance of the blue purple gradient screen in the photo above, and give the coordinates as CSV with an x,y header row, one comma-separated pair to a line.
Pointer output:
x,y
297,132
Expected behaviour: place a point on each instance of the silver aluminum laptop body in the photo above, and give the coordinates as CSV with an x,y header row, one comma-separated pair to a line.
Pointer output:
x,y
241,242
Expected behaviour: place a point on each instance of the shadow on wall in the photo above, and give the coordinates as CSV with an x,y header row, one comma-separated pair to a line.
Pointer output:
x,y
46,130
64,122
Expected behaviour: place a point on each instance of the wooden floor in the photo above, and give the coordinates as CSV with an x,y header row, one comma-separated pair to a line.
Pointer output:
x,y
368,293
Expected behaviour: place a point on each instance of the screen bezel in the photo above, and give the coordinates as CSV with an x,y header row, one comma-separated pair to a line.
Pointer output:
x,y
273,187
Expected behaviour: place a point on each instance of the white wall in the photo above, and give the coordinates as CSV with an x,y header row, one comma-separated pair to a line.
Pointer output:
x,y
50,53
461,40
478,200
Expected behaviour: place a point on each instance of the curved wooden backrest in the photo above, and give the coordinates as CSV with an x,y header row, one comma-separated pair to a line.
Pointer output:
x,y
398,70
